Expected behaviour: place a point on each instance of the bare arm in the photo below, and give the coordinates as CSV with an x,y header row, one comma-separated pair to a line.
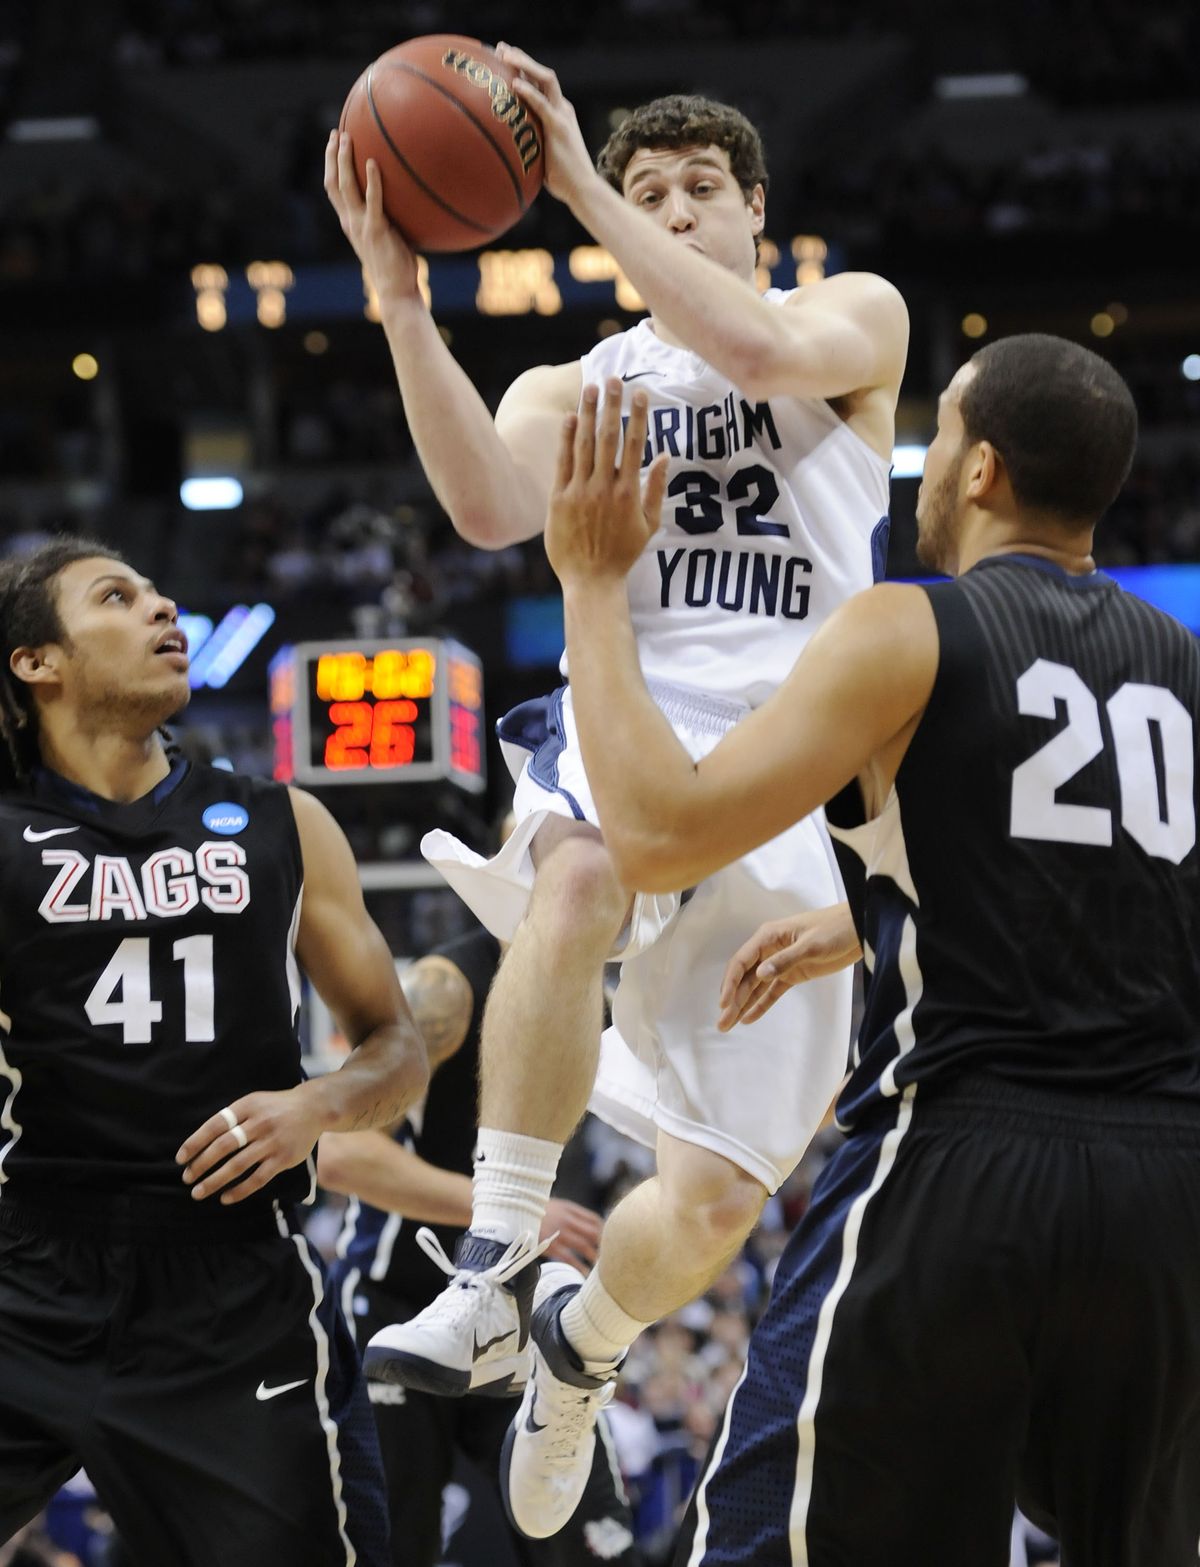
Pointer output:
x,y
843,336
342,952
491,482
668,821
387,1175
441,1000
340,948
380,1171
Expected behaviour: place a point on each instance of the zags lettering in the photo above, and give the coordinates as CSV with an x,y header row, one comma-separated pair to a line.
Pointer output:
x,y
171,883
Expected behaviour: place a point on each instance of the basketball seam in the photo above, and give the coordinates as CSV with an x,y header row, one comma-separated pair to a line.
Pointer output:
x,y
480,125
459,217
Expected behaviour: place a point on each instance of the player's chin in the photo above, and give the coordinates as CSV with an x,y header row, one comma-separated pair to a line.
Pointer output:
x,y
172,693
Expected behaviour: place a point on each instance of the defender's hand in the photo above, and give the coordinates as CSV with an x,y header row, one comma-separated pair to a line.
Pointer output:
x,y
577,1232
384,252
600,520
783,953
268,1133
568,162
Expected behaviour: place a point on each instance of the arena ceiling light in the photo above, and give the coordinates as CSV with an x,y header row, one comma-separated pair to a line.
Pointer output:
x,y
908,462
219,492
985,84
63,127
227,648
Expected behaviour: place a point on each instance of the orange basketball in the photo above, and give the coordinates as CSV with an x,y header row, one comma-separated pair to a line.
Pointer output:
x,y
460,155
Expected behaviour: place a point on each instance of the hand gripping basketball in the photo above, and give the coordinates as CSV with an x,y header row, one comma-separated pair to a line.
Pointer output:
x,y
568,164
378,244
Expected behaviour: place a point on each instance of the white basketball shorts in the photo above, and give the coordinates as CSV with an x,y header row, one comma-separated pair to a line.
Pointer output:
x,y
755,1095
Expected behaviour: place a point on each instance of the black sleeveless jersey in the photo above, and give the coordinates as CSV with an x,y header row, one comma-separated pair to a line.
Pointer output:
x,y
1031,888
381,1247
147,978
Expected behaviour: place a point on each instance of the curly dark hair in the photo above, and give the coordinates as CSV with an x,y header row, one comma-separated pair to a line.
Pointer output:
x,y
687,120
28,618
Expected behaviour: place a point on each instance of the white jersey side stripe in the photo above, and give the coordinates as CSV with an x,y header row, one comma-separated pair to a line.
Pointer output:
x,y
349,1290
700,1541
806,1421
8,1120
320,1385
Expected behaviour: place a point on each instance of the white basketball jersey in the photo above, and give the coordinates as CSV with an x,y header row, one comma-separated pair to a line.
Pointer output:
x,y
775,513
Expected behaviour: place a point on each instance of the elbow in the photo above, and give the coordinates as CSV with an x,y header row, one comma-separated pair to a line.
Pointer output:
x,y
490,528
647,864
760,369
479,528
413,1072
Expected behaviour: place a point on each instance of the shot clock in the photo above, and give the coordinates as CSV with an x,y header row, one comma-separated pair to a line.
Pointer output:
x,y
401,711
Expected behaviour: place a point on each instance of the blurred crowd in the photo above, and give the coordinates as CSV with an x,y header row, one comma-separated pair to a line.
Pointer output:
x,y
147,230
1085,188
1118,50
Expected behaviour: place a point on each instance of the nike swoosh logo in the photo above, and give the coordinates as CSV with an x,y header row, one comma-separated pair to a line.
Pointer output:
x,y
482,1349
51,832
530,1423
263,1392
637,374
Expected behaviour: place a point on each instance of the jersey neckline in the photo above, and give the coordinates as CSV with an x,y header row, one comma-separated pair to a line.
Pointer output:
x,y
53,789
1080,581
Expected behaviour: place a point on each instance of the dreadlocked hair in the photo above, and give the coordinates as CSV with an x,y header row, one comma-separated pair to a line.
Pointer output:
x,y
28,618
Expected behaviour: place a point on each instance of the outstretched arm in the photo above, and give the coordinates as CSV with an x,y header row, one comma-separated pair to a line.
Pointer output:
x,y
848,334
342,951
851,700
782,953
380,1171
492,486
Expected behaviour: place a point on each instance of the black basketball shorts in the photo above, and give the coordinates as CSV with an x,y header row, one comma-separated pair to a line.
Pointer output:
x,y
203,1377
993,1298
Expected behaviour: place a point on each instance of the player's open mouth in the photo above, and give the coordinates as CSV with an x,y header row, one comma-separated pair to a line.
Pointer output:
x,y
173,643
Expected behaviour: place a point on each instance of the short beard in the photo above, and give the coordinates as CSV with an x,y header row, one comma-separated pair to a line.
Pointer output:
x,y
935,522
110,708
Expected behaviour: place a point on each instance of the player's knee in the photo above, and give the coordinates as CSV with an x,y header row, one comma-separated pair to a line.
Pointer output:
x,y
718,1206
578,897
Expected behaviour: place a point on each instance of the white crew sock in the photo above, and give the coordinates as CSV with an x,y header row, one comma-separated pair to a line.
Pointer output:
x,y
511,1186
597,1329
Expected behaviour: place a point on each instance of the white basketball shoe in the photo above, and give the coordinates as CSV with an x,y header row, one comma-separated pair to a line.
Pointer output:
x,y
548,1448
473,1337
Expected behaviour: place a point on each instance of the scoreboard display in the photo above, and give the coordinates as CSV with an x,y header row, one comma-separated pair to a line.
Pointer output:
x,y
399,711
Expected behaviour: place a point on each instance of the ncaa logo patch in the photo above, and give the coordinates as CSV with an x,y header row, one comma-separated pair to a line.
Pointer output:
x,y
225,817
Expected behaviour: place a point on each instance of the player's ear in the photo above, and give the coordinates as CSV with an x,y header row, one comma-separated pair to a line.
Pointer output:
x,y
757,202
984,468
36,666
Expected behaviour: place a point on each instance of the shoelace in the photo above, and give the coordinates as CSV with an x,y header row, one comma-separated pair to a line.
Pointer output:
x,y
569,1414
474,1286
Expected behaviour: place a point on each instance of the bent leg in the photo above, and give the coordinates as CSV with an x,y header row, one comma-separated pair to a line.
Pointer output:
x,y
541,1027
674,1235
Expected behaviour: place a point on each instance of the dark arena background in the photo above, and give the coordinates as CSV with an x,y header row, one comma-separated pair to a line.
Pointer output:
x,y
189,369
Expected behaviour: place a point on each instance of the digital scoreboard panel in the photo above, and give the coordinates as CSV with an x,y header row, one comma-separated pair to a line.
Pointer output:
x,y
386,711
